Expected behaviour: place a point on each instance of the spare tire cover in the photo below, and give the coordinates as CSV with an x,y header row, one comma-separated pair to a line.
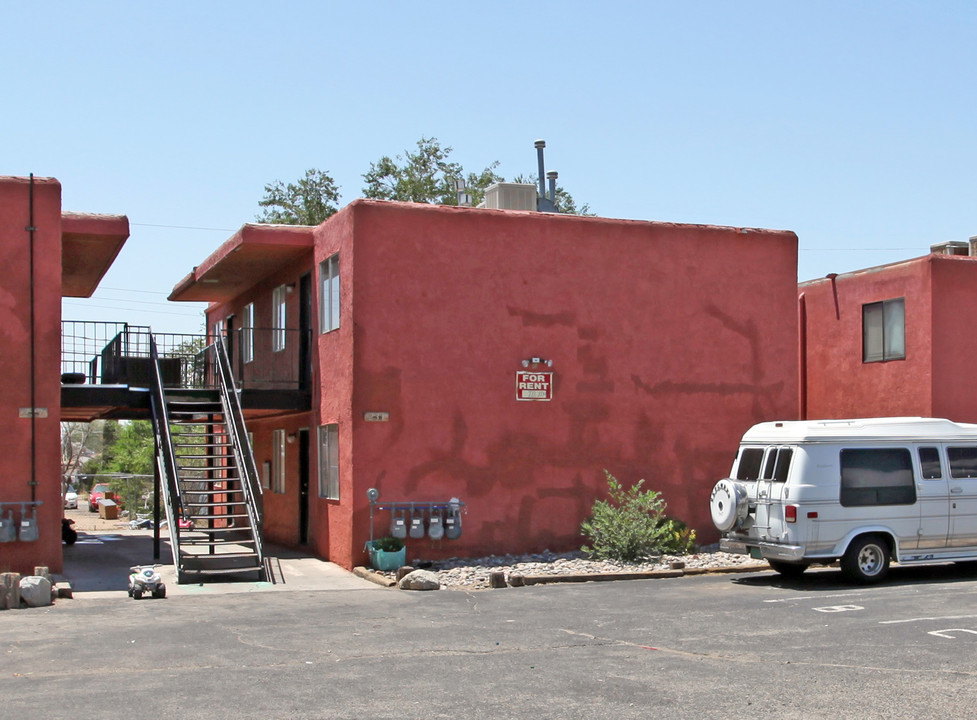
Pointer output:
x,y
727,504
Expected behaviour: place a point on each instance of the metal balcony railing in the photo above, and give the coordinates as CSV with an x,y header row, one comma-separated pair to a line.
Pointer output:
x,y
116,353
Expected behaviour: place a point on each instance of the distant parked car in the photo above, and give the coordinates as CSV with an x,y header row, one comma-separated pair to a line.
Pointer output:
x,y
97,493
71,499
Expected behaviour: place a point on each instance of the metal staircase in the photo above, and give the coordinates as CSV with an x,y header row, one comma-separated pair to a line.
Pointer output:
x,y
209,481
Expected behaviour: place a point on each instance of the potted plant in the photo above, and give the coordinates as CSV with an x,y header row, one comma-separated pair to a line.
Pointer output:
x,y
387,553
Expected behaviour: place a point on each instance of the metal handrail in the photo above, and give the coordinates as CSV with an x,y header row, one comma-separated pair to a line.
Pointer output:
x,y
166,458
234,413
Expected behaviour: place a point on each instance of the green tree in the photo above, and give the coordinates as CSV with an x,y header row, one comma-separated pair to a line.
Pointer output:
x,y
132,454
309,201
80,443
133,451
564,200
425,176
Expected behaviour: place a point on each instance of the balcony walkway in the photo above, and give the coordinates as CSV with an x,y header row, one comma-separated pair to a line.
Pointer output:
x,y
105,371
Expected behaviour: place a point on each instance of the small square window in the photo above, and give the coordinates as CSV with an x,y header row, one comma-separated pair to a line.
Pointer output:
x,y
884,331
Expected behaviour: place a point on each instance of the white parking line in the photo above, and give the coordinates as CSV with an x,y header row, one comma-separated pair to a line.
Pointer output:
x,y
815,597
926,619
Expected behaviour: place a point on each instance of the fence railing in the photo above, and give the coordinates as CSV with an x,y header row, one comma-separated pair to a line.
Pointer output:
x,y
112,353
82,343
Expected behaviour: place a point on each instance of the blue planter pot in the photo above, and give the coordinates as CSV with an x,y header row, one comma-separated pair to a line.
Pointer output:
x,y
385,560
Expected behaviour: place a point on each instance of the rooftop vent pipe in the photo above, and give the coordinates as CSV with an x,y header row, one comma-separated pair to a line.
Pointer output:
x,y
544,203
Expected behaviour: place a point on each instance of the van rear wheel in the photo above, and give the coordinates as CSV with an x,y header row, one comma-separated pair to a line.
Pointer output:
x,y
867,559
787,569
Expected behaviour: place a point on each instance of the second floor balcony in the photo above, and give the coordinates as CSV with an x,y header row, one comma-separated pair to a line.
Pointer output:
x,y
106,368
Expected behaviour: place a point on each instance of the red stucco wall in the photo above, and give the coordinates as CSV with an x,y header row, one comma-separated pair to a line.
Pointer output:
x,y
668,341
15,370
838,384
954,342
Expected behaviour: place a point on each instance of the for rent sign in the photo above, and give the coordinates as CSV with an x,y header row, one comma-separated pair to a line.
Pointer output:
x,y
531,385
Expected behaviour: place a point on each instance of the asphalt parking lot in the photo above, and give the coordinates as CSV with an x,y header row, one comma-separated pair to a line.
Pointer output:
x,y
715,646
97,565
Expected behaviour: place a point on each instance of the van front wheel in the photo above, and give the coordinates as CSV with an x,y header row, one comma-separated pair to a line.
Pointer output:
x,y
867,559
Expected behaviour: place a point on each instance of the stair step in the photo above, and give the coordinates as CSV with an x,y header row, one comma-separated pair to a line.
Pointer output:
x,y
225,491
229,516
232,555
215,543
210,505
202,445
245,530
224,571
224,561
203,457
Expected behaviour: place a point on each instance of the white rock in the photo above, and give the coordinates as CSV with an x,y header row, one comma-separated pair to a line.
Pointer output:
x,y
35,591
420,580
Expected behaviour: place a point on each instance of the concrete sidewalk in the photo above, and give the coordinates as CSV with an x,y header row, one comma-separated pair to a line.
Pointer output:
x,y
97,566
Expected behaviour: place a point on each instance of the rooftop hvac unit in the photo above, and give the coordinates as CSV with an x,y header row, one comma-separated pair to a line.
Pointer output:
x,y
951,247
510,196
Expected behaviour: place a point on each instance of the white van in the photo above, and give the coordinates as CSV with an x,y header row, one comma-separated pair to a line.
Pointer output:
x,y
862,491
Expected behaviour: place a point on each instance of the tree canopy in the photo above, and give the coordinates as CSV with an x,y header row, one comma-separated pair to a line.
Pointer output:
x,y
309,201
424,175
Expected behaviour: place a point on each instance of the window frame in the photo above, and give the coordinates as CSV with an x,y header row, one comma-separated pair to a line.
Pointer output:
x,y
278,442
279,315
328,445
247,334
877,330
329,294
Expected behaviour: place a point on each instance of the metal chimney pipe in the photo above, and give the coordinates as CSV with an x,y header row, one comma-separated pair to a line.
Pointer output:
x,y
552,175
540,144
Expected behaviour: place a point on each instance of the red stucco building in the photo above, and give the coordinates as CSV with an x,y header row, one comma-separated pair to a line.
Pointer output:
x,y
651,346
890,340
46,254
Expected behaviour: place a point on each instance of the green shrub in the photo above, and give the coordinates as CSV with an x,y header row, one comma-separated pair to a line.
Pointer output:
x,y
678,538
632,525
388,544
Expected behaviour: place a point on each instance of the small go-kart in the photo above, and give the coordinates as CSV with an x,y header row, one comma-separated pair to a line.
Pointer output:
x,y
145,579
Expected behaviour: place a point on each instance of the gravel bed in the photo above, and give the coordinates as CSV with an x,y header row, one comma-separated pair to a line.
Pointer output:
x,y
473,573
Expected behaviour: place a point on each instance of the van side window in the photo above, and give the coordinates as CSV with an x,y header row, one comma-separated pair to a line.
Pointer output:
x,y
963,461
929,463
877,476
783,464
750,461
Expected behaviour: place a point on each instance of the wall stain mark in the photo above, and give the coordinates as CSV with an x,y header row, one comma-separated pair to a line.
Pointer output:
x,y
536,319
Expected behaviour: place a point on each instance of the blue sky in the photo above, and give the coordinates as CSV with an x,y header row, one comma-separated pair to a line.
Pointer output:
x,y
850,123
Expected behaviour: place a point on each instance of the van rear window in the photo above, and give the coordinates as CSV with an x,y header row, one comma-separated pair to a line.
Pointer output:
x,y
877,476
750,461
775,468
